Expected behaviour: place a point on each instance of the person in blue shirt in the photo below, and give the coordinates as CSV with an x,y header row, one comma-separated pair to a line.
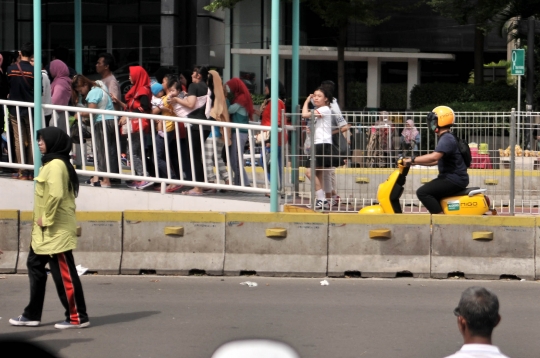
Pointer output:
x,y
453,176
90,94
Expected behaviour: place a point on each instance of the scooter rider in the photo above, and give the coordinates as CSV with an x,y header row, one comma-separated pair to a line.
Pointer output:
x,y
453,175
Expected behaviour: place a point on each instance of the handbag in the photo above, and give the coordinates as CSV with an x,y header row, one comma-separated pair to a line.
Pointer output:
x,y
75,135
264,135
132,126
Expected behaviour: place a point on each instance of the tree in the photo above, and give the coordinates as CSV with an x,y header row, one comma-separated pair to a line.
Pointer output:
x,y
478,12
338,14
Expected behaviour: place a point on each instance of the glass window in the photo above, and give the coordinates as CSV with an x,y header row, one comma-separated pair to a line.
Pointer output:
x,y
60,10
7,25
94,11
26,32
94,43
123,11
25,9
62,39
150,11
151,48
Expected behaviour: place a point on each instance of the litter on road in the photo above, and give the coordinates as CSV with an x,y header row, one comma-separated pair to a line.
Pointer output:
x,y
249,284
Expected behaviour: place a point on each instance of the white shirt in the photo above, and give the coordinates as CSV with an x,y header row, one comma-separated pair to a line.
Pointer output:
x,y
478,351
323,125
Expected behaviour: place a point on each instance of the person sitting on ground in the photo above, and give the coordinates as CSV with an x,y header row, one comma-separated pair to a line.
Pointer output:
x,y
477,315
453,176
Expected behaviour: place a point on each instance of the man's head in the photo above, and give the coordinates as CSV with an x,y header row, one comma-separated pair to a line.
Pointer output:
x,y
27,50
477,312
105,63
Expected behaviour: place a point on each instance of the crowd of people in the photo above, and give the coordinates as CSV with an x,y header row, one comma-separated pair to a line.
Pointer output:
x,y
198,94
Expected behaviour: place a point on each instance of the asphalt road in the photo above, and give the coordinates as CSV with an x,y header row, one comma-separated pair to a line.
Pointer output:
x,y
161,316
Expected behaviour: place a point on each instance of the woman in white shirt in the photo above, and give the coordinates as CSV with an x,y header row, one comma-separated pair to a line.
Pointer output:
x,y
322,142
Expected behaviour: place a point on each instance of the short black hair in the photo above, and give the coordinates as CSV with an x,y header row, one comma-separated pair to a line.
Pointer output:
x,y
330,86
480,308
173,81
203,71
326,93
27,50
108,59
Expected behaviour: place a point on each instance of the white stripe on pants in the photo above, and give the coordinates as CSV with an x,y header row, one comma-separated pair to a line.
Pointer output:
x,y
210,162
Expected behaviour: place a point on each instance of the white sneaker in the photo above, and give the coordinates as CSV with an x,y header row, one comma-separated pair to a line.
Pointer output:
x,y
322,204
23,321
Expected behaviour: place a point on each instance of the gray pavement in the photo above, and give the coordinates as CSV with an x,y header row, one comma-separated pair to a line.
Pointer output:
x,y
163,316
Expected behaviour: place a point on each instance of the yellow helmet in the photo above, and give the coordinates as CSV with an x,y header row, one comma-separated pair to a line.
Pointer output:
x,y
441,116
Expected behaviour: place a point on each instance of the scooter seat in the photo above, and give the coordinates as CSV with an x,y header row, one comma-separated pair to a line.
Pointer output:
x,y
466,191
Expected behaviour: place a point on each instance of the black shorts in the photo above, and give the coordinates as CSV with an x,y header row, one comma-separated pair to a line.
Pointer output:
x,y
323,156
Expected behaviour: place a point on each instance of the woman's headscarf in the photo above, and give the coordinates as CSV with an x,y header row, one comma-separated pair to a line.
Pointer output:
x,y
61,84
219,107
59,145
241,95
409,133
141,84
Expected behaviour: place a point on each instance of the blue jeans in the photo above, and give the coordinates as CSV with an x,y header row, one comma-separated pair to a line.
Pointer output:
x,y
280,165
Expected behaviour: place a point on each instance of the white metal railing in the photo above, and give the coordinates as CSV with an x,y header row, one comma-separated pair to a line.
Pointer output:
x,y
258,182
357,180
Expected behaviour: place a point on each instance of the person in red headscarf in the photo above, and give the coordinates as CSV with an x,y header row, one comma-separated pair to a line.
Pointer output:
x,y
137,100
240,111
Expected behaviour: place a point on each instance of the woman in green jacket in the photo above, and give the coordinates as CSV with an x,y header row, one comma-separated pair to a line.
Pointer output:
x,y
54,234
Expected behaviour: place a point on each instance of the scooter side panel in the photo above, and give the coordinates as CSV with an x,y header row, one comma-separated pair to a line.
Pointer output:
x,y
465,205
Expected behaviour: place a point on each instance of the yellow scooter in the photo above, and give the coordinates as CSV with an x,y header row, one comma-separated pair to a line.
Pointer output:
x,y
470,201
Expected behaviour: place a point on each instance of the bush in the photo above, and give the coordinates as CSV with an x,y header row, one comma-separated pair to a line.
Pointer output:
x,y
492,95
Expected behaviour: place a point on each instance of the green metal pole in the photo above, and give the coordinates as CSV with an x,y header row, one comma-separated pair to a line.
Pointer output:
x,y
78,36
274,95
294,90
37,83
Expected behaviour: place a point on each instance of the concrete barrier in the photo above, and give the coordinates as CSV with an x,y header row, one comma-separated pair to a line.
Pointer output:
x,y
99,242
483,247
9,240
99,245
166,242
379,245
276,244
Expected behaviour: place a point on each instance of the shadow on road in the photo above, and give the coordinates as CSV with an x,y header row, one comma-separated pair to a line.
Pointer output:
x,y
120,318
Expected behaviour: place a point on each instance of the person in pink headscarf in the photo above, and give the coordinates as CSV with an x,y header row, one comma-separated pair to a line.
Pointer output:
x,y
410,138
60,91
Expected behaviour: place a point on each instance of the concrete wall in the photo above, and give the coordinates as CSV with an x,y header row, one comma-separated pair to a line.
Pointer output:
x,y
291,244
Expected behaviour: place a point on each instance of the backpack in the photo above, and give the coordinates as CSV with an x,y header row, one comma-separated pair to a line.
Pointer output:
x,y
464,149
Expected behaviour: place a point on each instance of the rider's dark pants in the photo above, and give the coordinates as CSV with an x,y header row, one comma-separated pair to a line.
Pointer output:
x,y
430,194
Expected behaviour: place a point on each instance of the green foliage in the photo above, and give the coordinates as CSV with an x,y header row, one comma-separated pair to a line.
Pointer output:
x,y
393,96
257,99
435,94
220,4
479,12
485,106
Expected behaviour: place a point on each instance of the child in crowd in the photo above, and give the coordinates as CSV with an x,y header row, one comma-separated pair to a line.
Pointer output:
x,y
166,137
